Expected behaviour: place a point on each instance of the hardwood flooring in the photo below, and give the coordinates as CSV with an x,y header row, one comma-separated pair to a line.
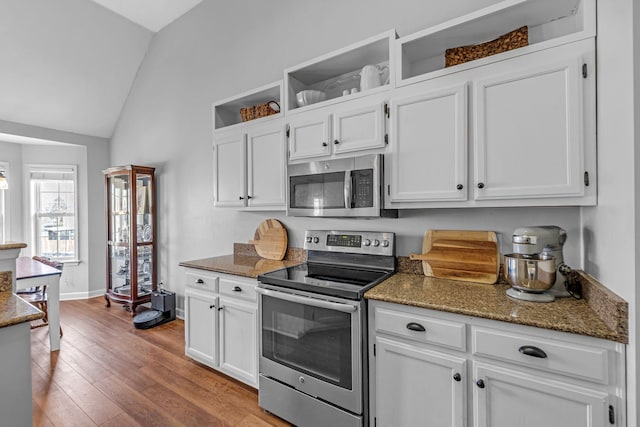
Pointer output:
x,y
107,373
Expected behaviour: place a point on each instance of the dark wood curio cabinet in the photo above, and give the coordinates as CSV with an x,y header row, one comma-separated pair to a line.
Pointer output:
x,y
131,235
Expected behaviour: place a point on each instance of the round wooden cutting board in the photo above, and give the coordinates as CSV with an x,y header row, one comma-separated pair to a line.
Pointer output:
x,y
270,239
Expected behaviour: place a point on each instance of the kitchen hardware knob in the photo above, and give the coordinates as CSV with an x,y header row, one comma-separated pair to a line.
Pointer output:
x,y
316,240
413,326
199,281
309,239
301,379
367,242
336,142
220,308
376,243
236,289
249,197
240,198
385,243
532,351
212,306
481,185
457,377
480,384
324,144
459,187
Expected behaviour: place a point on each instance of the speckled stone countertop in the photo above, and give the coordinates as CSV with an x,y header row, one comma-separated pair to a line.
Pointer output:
x,y
245,262
491,302
15,310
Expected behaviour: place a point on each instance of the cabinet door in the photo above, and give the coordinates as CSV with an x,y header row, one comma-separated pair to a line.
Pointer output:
x,y
230,171
418,387
359,128
507,398
530,126
238,339
266,167
309,136
429,146
201,327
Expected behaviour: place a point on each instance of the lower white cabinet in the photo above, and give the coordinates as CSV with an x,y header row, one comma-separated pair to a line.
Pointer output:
x,y
499,375
221,323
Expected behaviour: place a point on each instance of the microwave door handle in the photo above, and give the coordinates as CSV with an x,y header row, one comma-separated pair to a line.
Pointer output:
x,y
347,189
345,308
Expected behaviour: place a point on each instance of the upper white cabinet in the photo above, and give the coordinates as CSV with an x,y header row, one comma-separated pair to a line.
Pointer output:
x,y
421,55
429,145
250,167
340,71
534,132
249,157
341,129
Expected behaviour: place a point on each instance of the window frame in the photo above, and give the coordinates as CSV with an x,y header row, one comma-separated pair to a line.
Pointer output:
x,y
34,216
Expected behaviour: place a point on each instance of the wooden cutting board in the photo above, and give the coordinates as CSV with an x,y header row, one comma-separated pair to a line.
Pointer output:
x,y
470,256
270,239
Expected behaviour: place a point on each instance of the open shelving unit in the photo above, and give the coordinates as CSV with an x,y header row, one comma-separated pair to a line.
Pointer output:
x,y
421,56
226,113
338,71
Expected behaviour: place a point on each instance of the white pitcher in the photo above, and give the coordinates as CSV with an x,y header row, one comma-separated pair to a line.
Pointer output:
x,y
371,76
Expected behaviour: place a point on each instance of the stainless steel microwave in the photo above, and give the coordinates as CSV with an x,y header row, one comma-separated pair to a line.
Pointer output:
x,y
347,187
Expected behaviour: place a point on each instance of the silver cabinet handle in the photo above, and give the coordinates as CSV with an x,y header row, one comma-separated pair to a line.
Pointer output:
x,y
199,281
236,289
345,308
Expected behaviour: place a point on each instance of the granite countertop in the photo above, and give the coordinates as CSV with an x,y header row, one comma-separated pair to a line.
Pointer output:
x,y
15,310
491,302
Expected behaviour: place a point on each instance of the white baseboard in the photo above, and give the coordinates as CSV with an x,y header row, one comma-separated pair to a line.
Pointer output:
x,y
68,296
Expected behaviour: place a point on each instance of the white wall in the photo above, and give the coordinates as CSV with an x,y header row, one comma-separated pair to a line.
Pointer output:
x,y
611,232
12,154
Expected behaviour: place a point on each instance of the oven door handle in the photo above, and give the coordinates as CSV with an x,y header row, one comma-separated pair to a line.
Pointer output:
x,y
345,308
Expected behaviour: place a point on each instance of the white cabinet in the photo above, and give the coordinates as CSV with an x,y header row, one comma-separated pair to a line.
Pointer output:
x,y
520,132
349,127
201,324
504,397
309,136
429,145
221,323
533,127
250,167
418,386
434,368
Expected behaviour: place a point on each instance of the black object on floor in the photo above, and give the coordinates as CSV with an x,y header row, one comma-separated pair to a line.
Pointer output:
x,y
163,310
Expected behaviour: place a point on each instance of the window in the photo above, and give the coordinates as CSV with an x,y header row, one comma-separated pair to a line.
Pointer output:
x,y
4,208
54,211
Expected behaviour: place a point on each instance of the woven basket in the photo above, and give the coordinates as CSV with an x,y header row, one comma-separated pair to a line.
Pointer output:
x,y
513,40
261,110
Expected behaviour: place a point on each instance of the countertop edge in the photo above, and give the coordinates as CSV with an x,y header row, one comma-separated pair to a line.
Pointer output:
x,y
15,310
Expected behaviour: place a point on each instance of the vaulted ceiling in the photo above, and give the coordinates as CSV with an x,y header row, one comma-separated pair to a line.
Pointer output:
x,y
69,64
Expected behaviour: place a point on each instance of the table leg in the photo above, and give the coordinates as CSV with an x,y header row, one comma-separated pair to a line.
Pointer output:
x,y
53,296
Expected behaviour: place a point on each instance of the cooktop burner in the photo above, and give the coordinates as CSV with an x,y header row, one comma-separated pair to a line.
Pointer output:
x,y
331,280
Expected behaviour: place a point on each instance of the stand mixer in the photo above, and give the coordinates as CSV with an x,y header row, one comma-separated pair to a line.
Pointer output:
x,y
541,243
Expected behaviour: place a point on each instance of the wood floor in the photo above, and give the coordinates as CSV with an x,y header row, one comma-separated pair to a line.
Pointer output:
x,y
107,373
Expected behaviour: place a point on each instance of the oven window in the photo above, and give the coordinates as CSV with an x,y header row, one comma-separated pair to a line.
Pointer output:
x,y
317,191
312,340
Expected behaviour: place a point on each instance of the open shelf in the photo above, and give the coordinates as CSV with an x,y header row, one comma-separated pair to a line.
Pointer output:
x,y
422,55
227,112
338,71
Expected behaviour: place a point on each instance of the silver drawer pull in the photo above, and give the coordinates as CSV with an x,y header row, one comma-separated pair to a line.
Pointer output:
x,y
532,351
199,281
236,289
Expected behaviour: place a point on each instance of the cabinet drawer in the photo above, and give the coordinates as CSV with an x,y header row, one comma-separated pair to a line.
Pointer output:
x,y
246,291
421,328
201,281
565,358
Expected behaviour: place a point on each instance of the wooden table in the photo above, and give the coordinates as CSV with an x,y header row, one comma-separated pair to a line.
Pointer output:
x,y
30,273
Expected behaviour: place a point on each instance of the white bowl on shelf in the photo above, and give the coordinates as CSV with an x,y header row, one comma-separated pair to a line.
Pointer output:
x,y
308,97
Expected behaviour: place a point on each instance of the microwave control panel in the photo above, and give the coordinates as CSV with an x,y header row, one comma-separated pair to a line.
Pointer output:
x,y
362,188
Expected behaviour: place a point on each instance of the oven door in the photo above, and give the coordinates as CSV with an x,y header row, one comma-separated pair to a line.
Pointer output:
x,y
313,345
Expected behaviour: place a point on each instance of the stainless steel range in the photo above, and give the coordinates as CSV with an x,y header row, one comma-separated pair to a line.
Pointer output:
x,y
313,340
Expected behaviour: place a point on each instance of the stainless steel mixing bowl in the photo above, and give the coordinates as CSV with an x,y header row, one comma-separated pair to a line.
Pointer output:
x,y
530,273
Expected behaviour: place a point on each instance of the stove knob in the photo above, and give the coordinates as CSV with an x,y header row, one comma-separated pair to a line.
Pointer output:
x,y
367,242
309,239
316,240
385,243
376,243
